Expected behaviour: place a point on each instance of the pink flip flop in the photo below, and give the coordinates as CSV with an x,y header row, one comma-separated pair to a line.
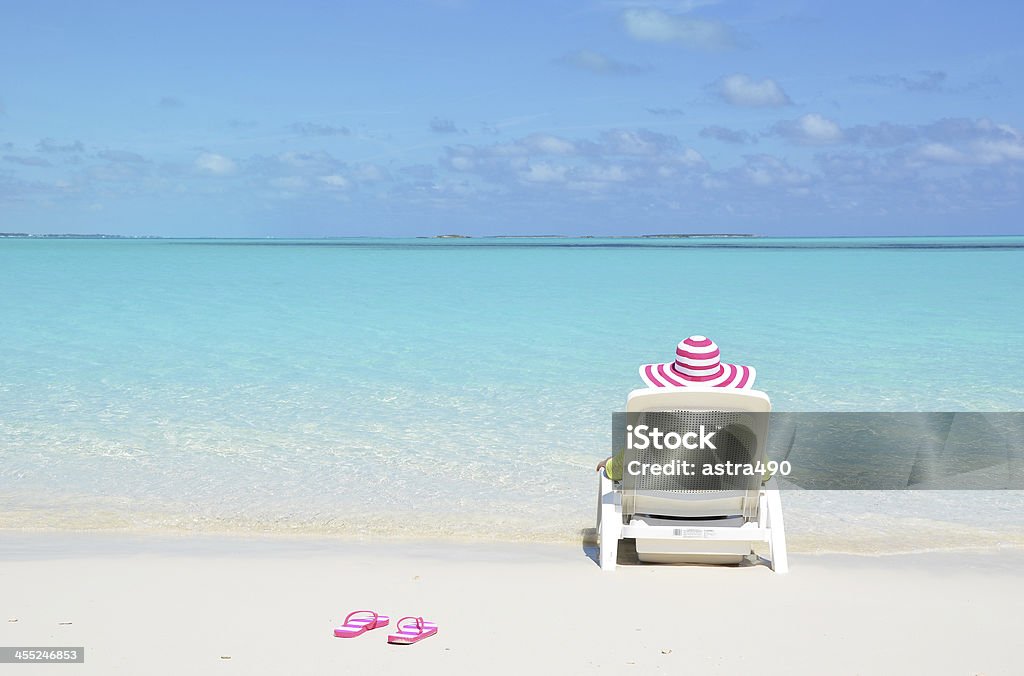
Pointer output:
x,y
357,626
412,632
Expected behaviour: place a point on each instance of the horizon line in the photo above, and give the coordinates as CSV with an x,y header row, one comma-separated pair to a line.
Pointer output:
x,y
722,235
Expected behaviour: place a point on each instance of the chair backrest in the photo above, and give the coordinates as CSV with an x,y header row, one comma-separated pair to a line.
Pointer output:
x,y
740,421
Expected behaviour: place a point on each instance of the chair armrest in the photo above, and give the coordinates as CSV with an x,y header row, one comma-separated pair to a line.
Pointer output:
x,y
602,476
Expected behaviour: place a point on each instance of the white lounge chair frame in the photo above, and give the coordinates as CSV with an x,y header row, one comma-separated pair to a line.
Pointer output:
x,y
758,517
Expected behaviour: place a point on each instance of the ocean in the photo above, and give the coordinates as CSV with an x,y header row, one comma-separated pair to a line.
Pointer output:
x,y
464,388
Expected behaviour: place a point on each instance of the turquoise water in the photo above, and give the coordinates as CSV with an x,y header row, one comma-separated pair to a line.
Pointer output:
x,y
462,387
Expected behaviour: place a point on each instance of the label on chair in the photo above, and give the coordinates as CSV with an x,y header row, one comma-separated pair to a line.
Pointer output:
x,y
700,533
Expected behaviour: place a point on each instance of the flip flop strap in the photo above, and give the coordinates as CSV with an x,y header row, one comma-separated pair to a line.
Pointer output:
x,y
419,624
356,612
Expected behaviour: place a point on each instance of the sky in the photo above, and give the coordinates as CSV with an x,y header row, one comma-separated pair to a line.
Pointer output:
x,y
417,118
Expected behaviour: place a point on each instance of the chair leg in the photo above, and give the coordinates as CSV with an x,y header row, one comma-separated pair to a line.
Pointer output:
x,y
609,553
777,532
609,524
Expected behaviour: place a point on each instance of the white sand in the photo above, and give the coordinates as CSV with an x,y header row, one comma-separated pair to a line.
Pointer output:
x,y
177,606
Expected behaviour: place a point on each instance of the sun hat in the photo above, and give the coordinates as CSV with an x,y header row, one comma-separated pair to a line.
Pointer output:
x,y
697,364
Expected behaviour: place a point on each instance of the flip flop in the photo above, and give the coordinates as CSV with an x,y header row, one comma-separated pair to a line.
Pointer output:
x,y
412,632
357,626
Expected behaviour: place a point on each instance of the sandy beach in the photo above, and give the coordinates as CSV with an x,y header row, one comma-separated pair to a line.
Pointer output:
x,y
309,308
211,605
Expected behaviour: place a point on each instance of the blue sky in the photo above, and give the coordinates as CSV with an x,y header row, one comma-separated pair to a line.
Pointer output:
x,y
418,118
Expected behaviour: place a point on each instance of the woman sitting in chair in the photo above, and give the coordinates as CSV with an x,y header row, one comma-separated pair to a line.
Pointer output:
x,y
697,364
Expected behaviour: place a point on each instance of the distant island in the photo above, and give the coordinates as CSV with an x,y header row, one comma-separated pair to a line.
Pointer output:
x,y
75,236
445,236
697,234
657,236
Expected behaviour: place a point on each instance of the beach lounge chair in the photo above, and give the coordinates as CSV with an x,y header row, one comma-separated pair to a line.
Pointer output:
x,y
696,519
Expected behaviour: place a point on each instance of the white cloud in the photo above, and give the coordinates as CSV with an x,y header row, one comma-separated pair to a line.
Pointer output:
x,y
978,152
809,129
992,152
336,182
691,157
654,25
215,164
545,173
742,90
616,159
609,174
462,163
766,170
820,129
940,152
551,145
639,142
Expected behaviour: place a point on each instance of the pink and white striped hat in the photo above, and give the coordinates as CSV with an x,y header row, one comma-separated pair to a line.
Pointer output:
x,y
697,363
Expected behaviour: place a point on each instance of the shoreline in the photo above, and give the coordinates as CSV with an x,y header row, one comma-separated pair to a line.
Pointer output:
x,y
864,523
268,605
163,541
42,545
